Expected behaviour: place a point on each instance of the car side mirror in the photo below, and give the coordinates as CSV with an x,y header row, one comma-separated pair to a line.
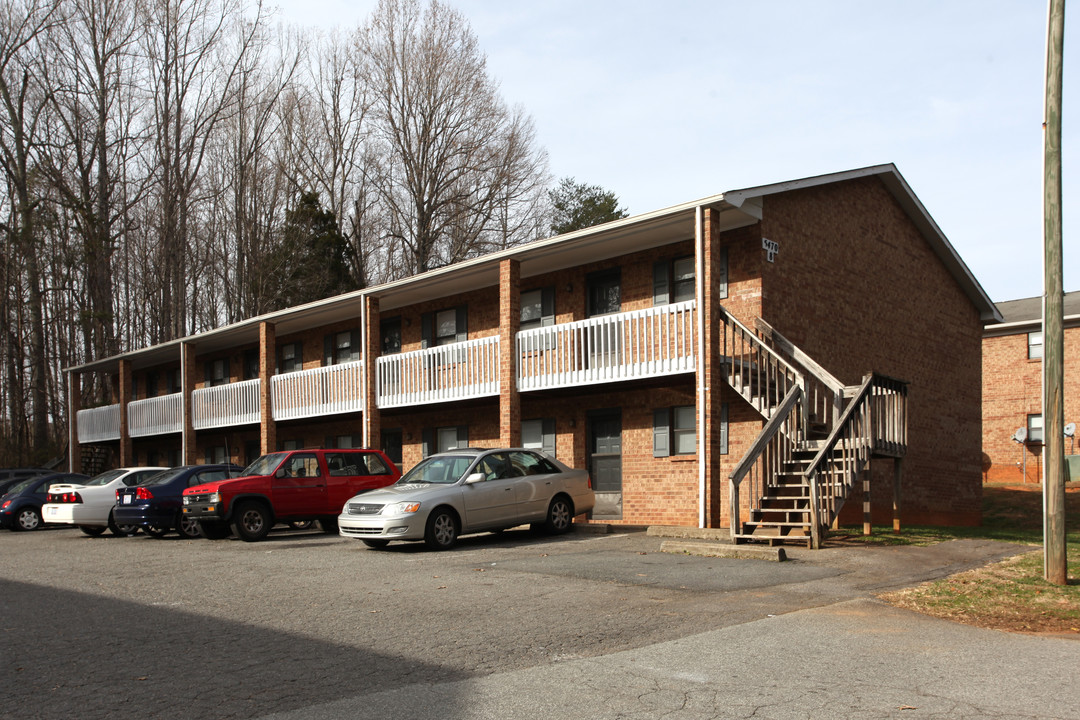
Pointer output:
x,y
474,478
280,473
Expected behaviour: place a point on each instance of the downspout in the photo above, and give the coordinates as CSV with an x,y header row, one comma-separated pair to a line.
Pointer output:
x,y
699,286
366,438
73,433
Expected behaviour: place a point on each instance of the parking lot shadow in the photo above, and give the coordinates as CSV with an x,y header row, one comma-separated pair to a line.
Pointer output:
x,y
69,654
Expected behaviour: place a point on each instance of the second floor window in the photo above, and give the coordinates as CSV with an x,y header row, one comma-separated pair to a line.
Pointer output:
x,y
445,327
151,384
217,372
251,363
290,358
341,347
1034,428
390,329
673,281
1035,345
537,308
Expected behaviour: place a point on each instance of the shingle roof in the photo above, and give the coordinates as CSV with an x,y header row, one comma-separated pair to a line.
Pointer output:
x,y
1030,309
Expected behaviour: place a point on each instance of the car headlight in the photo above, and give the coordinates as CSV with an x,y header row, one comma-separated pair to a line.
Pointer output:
x,y
401,508
215,497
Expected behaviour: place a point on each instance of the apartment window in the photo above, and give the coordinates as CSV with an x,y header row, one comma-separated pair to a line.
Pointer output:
x,y
603,292
251,363
539,435
1035,429
674,431
390,330
134,388
287,445
341,347
344,442
437,440
151,384
537,308
1035,345
176,457
217,372
673,280
290,357
445,327
217,454
174,380
392,445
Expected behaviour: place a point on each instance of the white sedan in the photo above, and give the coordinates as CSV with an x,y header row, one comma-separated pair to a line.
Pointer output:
x,y
466,491
90,505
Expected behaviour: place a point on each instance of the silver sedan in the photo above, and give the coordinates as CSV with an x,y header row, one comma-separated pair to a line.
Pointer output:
x,y
466,491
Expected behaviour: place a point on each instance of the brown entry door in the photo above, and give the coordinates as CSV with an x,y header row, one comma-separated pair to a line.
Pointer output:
x,y
605,463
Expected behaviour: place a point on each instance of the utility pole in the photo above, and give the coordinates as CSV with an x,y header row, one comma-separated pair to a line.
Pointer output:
x,y
1055,562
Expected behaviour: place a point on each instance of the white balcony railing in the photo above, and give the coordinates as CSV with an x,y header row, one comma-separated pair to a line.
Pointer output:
x,y
156,416
621,346
98,424
225,405
319,391
457,371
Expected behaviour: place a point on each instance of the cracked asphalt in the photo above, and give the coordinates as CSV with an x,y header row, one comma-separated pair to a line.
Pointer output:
x,y
306,625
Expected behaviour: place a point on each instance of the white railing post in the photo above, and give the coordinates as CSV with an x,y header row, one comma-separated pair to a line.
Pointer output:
x,y
99,424
156,416
225,405
329,390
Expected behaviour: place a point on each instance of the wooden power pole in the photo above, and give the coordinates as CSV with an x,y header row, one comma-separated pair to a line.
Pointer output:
x,y
1054,553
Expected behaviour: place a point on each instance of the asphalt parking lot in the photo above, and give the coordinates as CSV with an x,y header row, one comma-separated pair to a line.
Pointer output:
x,y
145,628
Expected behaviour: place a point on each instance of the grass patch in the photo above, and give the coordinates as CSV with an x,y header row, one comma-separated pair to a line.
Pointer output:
x,y
1009,595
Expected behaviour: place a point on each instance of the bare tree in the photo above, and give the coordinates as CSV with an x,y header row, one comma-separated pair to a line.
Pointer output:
x,y
191,72
450,153
22,102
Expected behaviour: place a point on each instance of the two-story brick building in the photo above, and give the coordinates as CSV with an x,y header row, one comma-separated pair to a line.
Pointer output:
x,y
1012,388
689,357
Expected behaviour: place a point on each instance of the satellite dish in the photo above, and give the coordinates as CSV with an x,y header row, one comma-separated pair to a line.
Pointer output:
x,y
1070,429
1020,435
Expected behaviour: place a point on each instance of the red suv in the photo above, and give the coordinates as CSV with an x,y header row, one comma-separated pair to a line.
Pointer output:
x,y
288,486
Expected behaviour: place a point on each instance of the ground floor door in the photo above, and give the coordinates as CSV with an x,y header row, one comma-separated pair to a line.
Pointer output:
x,y
605,462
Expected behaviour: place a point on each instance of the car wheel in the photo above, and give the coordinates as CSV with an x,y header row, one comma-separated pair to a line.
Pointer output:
x,y
560,516
377,544
188,527
213,530
121,530
301,524
251,522
442,530
27,519
156,531
328,525
92,530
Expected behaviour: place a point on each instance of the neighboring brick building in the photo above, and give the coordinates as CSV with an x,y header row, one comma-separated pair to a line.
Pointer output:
x,y
1012,388
618,348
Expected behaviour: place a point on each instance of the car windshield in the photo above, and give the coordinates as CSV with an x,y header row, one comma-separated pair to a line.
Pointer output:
x,y
264,465
443,469
162,478
104,478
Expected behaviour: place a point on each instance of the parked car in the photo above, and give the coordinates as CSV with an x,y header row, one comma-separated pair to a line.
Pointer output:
x,y
10,476
90,505
20,507
155,505
289,487
467,491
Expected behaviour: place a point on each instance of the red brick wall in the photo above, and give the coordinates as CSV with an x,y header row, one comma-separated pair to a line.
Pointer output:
x,y
1012,390
857,287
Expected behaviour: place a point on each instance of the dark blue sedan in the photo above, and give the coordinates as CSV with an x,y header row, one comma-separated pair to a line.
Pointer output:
x,y
20,508
155,505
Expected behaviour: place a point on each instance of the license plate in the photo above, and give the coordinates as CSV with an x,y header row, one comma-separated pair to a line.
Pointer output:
x,y
53,510
127,500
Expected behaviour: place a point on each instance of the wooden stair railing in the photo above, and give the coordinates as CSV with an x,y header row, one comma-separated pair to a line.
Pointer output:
x,y
873,424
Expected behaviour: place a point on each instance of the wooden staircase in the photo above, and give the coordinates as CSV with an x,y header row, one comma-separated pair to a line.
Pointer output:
x,y
819,438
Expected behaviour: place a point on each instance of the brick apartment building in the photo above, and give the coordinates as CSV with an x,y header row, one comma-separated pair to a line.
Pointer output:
x,y
824,322
1012,388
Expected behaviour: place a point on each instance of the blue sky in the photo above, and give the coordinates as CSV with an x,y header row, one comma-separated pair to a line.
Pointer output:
x,y
664,103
